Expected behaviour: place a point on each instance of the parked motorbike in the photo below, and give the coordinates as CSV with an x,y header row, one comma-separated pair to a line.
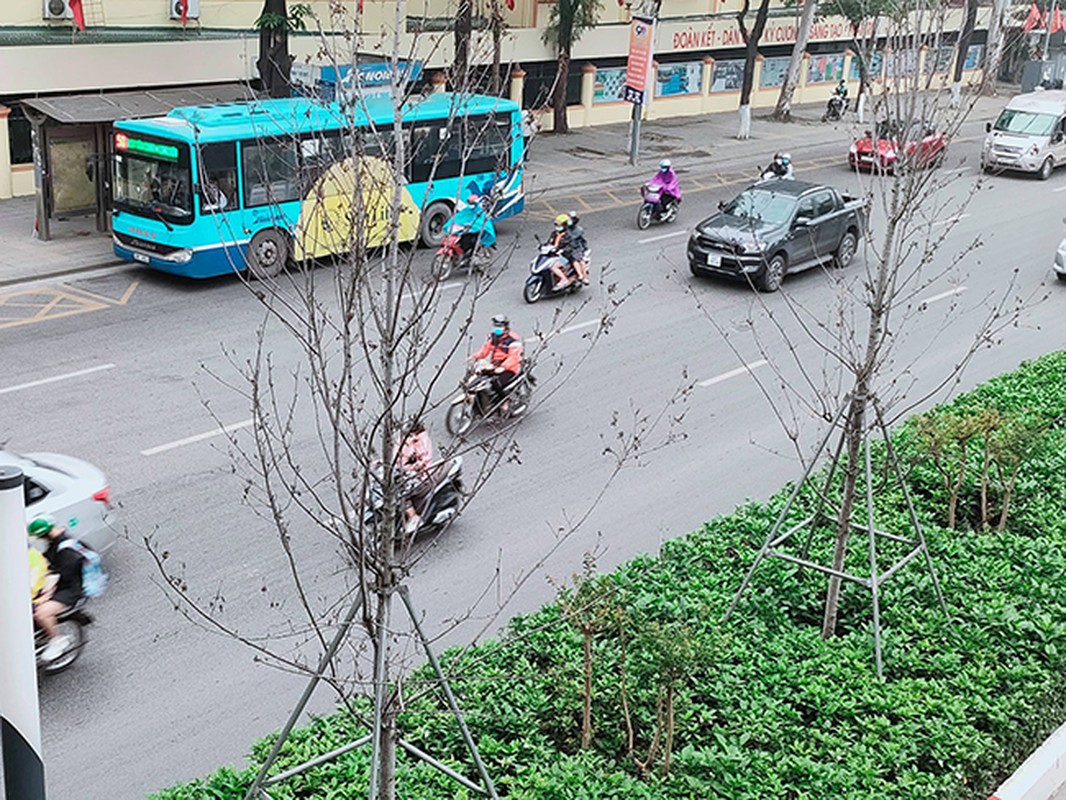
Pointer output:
x,y
651,210
452,255
477,401
436,511
71,623
541,282
835,108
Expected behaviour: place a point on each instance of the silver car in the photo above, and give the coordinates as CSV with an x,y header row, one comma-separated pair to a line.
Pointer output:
x,y
72,492
1059,264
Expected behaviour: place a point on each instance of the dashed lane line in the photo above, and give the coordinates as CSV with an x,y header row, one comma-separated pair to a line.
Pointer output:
x,y
55,378
199,437
733,373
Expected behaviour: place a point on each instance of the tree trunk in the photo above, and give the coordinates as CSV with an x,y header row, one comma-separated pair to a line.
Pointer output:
x,y
854,425
963,48
751,40
497,47
274,62
463,26
562,78
586,711
994,47
783,111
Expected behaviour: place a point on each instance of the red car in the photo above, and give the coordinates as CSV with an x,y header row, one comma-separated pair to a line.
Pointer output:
x,y
919,143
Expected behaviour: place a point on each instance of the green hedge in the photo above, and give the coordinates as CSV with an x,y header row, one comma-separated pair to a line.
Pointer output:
x,y
765,708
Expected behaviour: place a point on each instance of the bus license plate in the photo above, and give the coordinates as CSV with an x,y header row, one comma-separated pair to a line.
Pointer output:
x,y
714,259
140,257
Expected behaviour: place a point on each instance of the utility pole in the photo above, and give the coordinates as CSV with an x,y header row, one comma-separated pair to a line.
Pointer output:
x,y
20,717
638,75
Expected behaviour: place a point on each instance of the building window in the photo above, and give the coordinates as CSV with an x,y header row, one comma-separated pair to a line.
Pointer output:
x,y
18,127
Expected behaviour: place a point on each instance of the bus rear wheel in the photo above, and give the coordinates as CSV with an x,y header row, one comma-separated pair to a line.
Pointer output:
x,y
434,218
267,255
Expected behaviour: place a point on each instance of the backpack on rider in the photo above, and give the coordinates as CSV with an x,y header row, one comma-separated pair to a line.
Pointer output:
x,y
93,576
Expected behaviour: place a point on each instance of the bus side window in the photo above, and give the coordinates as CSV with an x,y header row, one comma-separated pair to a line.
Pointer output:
x,y
318,152
270,172
218,176
487,142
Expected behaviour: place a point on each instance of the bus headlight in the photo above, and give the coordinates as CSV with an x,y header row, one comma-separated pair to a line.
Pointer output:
x,y
179,256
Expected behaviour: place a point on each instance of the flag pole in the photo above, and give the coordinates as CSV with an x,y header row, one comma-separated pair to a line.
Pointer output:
x,y
1047,31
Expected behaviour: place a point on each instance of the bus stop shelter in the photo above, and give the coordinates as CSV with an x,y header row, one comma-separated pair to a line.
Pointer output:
x,y
73,145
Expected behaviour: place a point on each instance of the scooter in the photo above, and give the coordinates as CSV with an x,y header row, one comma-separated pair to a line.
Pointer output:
x,y
542,283
436,511
477,398
71,623
835,108
451,255
651,209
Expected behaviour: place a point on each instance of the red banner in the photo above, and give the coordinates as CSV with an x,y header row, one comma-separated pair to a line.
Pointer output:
x,y
638,64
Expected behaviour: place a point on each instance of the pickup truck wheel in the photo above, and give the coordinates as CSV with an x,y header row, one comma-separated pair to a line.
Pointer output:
x,y
773,272
1045,169
846,251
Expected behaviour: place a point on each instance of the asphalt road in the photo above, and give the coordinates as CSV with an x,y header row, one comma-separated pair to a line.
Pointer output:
x,y
156,699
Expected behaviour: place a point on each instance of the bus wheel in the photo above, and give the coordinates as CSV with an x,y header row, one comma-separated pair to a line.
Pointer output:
x,y
267,254
431,230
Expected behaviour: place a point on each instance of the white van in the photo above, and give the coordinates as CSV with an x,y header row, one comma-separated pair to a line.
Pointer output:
x,y
1029,135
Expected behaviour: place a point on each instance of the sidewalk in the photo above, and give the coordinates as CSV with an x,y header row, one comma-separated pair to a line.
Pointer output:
x,y
557,164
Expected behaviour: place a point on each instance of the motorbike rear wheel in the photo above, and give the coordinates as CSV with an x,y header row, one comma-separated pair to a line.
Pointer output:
x,y
76,631
644,217
671,213
533,290
460,418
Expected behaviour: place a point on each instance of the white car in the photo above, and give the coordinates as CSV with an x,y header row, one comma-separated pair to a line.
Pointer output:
x,y
1060,261
72,492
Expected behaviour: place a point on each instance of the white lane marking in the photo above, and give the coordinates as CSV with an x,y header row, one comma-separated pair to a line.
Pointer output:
x,y
734,373
579,326
236,426
441,287
64,377
664,236
941,296
1060,189
950,220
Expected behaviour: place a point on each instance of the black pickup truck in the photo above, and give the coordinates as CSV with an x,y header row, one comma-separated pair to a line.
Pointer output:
x,y
776,227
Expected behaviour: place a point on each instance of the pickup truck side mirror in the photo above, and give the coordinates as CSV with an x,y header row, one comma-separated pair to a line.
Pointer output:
x,y
801,222
721,205
988,127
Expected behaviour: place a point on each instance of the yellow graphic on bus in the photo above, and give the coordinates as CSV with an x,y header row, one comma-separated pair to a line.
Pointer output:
x,y
335,218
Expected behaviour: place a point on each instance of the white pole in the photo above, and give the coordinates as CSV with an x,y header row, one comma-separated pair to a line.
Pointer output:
x,y
20,719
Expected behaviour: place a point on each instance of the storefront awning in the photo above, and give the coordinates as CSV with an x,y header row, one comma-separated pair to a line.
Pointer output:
x,y
88,108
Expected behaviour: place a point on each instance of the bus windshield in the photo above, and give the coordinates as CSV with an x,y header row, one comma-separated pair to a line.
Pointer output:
x,y
1029,122
152,179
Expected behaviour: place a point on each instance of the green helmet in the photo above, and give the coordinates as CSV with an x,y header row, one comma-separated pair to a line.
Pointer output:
x,y
41,526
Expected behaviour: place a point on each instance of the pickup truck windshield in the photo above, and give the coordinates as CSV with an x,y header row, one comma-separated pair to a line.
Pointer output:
x,y
1025,122
762,204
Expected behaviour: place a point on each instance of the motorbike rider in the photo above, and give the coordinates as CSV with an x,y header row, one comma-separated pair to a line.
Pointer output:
x,y
665,180
473,224
578,248
415,458
839,99
67,591
559,241
504,351
780,167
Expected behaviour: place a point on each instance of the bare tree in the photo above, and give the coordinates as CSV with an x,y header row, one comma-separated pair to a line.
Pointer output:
x,y
783,110
751,39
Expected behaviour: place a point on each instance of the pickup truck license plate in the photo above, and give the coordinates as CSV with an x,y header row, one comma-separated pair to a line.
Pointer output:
x,y
140,257
714,259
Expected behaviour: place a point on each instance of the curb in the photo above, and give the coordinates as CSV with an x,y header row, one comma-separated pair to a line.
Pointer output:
x,y
59,273
1041,775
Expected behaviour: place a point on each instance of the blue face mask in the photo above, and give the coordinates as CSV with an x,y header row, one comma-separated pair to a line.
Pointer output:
x,y
497,331
664,169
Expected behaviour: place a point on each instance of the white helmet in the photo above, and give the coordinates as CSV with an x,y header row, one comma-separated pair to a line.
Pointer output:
x,y
664,164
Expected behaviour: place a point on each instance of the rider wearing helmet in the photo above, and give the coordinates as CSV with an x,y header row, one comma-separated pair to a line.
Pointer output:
x,y
503,350
473,225
67,564
780,167
579,248
559,239
665,180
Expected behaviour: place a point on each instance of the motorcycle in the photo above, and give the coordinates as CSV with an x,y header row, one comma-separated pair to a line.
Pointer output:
x,y
436,511
835,108
71,623
651,209
477,398
451,256
541,281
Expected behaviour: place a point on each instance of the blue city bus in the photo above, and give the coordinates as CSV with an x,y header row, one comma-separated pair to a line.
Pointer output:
x,y
209,190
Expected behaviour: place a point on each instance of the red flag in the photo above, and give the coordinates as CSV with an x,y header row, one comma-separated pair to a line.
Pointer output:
x,y
510,5
1033,19
1056,21
79,14
184,6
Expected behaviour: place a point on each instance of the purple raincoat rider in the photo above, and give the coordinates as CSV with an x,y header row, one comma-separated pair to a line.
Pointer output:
x,y
665,181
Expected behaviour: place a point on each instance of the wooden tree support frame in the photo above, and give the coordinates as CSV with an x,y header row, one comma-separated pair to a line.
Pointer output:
x,y
258,789
915,544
